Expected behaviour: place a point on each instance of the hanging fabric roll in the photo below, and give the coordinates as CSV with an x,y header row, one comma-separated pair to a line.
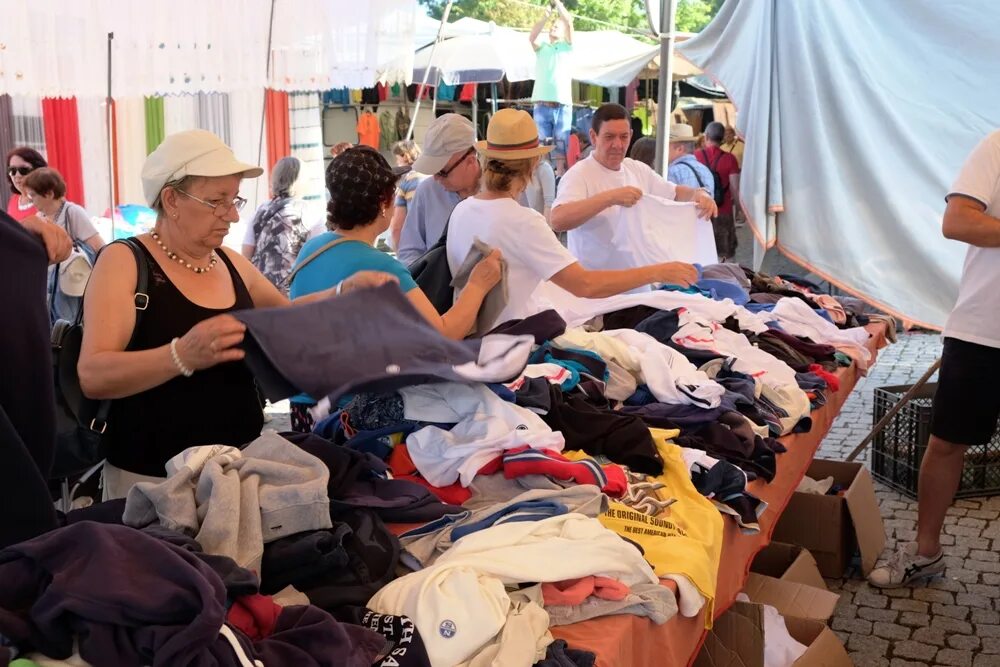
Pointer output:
x,y
92,113
276,122
62,137
130,126
155,123
213,115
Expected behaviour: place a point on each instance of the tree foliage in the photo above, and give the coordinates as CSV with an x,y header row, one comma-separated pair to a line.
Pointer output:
x,y
692,15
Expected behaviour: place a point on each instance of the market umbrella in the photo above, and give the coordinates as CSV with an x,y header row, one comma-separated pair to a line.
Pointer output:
x,y
477,58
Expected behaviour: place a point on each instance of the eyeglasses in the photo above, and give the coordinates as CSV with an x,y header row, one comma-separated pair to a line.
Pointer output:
x,y
221,208
23,171
445,172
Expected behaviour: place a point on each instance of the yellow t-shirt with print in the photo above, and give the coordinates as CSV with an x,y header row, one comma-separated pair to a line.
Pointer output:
x,y
686,538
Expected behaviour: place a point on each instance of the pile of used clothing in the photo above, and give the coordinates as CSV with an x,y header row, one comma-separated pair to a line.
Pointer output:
x,y
427,518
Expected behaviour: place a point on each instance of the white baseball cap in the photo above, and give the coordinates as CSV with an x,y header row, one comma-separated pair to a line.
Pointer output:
x,y
449,134
190,153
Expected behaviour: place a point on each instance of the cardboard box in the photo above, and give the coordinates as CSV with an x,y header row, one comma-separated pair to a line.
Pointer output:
x,y
788,562
825,649
833,527
736,639
785,577
790,598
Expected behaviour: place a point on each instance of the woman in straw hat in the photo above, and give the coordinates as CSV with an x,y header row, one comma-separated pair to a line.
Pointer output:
x,y
530,248
174,375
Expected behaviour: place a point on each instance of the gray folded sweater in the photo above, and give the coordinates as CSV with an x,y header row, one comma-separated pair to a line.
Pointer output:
x,y
233,502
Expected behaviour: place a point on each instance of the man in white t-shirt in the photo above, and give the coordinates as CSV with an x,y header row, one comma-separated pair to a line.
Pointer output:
x,y
590,193
966,404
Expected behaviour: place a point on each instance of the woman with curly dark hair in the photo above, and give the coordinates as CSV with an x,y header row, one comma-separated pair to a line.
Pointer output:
x,y
20,162
362,187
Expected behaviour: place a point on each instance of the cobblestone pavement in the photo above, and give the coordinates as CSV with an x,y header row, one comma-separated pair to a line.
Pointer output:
x,y
954,620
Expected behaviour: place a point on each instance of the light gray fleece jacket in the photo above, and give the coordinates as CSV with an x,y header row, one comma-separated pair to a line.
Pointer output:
x,y
233,502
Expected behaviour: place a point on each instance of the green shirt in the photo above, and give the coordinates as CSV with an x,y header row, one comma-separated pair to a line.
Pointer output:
x,y
553,77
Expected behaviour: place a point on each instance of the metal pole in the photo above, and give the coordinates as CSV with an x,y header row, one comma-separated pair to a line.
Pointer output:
x,y
475,112
109,117
427,71
911,392
263,106
666,83
493,94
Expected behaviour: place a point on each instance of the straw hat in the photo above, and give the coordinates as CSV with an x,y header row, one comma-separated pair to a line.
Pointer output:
x,y
512,135
682,132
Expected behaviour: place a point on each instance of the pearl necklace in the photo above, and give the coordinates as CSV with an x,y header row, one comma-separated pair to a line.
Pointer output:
x,y
174,257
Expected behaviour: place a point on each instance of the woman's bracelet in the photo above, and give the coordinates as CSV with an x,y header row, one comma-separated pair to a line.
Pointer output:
x,y
185,371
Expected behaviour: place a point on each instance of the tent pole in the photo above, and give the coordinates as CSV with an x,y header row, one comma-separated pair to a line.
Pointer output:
x,y
427,72
109,116
493,94
475,112
663,110
263,105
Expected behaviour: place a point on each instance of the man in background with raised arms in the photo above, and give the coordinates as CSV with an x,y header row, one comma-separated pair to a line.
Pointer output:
x,y
553,93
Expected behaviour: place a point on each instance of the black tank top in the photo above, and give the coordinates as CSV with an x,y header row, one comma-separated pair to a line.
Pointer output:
x,y
218,405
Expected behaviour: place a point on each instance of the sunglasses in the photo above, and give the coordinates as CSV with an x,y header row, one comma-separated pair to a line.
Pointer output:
x,y
444,172
23,171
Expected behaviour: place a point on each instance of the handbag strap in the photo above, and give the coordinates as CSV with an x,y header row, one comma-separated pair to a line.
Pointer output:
x,y
141,296
304,263
141,301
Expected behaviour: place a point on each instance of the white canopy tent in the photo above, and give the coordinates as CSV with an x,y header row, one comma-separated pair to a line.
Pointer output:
x,y
473,51
189,46
857,117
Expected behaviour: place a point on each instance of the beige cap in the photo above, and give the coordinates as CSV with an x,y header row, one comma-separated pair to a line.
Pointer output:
x,y
512,135
190,153
682,132
449,134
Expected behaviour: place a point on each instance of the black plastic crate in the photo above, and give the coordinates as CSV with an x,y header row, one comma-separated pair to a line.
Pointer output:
x,y
898,450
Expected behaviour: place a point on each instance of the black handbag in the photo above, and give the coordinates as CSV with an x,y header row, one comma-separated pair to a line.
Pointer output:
x,y
433,275
81,422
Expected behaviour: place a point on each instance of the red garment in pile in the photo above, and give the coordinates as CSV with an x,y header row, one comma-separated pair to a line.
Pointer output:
x,y
254,615
526,460
402,467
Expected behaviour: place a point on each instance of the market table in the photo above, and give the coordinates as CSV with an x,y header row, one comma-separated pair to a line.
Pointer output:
x,y
634,641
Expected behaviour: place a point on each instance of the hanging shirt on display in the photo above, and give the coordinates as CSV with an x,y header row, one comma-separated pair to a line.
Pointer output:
x,y
387,124
368,130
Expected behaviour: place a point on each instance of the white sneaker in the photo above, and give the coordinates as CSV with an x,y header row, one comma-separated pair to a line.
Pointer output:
x,y
906,567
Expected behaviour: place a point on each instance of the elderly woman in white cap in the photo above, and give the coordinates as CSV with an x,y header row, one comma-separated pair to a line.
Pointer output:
x,y
530,248
179,383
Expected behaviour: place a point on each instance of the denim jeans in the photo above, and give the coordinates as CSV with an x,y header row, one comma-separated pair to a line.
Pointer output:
x,y
554,123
